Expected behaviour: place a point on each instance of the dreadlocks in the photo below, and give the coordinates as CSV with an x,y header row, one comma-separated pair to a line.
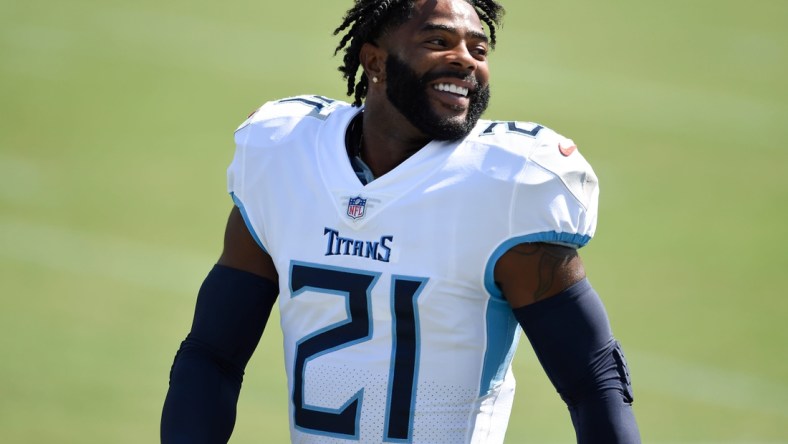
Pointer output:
x,y
369,19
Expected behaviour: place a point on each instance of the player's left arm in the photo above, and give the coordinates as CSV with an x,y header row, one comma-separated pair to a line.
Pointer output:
x,y
232,310
567,325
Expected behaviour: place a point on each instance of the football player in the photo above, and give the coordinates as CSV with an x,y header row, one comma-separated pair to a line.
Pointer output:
x,y
408,243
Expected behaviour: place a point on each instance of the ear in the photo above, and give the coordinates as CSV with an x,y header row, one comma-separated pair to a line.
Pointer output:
x,y
373,60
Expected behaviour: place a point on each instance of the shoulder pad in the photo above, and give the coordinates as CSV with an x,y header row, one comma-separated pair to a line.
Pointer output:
x,y
545,148
276,121
560,156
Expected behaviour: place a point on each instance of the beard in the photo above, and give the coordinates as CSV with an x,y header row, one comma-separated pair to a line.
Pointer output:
x,y
408,93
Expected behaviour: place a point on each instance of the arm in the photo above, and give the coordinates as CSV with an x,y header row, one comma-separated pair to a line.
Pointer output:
x,y
232,309
568,328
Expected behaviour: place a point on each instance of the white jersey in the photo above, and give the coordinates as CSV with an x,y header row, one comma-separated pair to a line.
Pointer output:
x,y
394,329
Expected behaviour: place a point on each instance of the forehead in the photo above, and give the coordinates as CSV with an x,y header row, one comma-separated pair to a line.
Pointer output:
x,y
457,14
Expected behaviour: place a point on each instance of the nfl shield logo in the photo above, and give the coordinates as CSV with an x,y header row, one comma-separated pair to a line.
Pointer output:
x,y
356,206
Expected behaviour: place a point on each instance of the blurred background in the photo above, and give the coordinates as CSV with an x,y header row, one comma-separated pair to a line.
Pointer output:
x,y
116,122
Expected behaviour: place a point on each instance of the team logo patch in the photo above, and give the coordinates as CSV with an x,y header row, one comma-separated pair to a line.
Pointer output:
x,y
356,207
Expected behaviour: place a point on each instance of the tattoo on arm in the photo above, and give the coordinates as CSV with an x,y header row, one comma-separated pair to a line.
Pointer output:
x,y
554,266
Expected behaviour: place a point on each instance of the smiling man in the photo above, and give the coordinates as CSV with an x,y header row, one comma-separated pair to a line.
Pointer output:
x,y
408,242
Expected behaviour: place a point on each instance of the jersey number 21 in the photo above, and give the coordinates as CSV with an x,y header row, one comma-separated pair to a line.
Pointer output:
x,y
356,286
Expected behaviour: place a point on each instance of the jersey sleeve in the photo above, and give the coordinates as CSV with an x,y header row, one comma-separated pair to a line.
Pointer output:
x,y
556,194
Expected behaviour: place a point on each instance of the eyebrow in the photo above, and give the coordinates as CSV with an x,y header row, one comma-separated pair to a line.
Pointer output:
x,y
435,26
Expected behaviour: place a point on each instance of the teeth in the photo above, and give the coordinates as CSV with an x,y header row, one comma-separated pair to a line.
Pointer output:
x,y
454,89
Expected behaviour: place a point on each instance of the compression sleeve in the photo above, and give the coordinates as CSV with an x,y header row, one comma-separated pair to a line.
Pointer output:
x,y
205,380
571,336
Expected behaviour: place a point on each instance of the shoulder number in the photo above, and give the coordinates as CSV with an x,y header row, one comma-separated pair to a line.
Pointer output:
x,y
321,106
526,129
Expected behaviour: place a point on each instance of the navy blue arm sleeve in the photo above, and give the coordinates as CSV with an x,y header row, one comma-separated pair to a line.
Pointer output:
x,y
205,380
571,335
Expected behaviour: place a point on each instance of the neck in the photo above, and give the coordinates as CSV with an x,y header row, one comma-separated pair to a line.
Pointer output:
x,y
388,138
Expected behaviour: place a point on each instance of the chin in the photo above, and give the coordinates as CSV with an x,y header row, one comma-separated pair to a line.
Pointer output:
x,y
456,120
449,114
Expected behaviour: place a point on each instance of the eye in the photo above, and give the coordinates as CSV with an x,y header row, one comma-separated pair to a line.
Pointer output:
x,y
479,51
437,41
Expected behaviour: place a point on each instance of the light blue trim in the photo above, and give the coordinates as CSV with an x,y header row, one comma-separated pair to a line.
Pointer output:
x,y
502,327
578,240
502,338
248,223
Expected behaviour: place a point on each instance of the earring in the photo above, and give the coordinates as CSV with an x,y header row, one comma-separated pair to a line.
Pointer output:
x,y
375,79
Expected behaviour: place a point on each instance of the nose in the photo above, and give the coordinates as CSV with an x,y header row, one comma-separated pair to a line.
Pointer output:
x,y
461,57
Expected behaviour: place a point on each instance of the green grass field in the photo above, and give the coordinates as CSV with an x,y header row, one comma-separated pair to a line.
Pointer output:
x,y
116,123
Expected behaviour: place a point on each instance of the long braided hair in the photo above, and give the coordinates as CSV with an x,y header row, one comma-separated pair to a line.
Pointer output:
x,y
369,19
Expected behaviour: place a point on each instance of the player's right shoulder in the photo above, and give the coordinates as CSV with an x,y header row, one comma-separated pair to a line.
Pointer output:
x,y
279,119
